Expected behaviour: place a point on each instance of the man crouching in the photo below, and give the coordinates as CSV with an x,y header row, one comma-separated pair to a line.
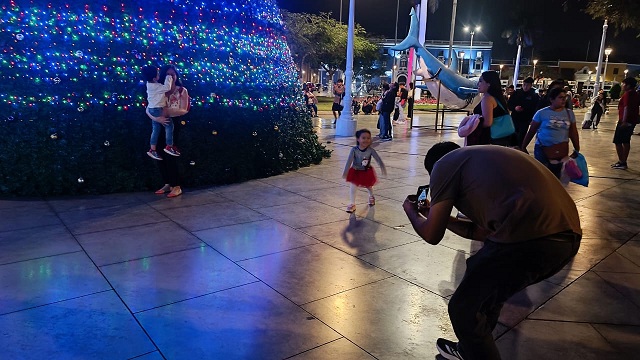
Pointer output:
x,y
528,222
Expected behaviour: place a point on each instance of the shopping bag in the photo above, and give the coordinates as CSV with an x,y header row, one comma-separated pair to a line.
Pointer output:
x,y
582,165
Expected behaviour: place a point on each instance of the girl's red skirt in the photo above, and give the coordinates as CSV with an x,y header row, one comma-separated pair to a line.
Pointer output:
x,y
363,178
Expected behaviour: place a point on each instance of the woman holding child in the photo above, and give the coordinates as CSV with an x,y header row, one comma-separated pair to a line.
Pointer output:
x,y
177,106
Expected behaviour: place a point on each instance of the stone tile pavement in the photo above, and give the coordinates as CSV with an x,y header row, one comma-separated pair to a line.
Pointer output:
x,y
275,268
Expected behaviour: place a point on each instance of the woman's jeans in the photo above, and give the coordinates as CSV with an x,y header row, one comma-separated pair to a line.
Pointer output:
x,y
156,126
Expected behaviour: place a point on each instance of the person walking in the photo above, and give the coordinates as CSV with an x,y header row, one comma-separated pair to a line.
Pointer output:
x,y
528,222
523,106
553,127
338,94
596,111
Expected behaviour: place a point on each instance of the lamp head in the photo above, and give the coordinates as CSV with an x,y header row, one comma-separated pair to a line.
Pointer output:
x,y
535,61
608,51
461,54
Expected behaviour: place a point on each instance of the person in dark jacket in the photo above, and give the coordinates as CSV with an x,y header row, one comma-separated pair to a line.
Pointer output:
x,y
388,105
523,104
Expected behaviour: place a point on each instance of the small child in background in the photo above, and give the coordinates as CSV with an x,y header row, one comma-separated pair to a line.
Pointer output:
x,y
358,170
157,102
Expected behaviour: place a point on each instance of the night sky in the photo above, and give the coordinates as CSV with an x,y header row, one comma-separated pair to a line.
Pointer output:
x,y
560,35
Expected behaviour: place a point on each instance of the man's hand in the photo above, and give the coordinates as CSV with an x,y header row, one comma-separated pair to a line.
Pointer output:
x,y
411,207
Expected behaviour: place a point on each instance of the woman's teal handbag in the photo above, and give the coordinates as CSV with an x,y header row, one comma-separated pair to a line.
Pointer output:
x,y
502,125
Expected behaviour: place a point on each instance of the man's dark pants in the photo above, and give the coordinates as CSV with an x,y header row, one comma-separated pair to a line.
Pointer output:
x,y
493,275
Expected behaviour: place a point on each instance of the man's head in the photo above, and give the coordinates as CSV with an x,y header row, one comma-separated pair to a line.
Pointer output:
x,y
436,152
558,83
629,83
527,84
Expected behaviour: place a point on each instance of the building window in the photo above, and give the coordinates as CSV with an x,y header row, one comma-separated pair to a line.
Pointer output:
x,y
615,71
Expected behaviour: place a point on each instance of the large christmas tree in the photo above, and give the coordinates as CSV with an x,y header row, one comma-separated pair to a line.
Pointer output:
x,y
72,97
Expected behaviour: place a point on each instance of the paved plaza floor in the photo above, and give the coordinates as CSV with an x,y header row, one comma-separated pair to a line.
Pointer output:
x,y
276,269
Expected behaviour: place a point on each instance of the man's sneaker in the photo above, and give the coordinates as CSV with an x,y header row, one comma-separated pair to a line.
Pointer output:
x,y
448,349
171,150
619,166
153,154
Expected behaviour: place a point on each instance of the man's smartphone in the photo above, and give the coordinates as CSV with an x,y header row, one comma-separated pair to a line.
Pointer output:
x,y
422,193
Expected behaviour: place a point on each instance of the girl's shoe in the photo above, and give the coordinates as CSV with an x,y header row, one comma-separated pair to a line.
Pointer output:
x,y
172,150
351,208
165,189
372,200
153,154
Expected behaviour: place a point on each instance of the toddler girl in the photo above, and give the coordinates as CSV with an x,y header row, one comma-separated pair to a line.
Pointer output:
x,y
358,170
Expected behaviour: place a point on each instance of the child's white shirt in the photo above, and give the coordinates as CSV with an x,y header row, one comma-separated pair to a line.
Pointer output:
x,y
156,93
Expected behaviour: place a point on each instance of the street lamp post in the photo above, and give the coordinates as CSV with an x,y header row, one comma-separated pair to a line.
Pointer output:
x,y
625,73
533,73
500,74
346,125
589,80
453,27
607,52
596,87
461,56
472,68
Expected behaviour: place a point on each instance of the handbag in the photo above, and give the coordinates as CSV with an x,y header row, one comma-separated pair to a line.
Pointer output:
x,y
502,125
556,151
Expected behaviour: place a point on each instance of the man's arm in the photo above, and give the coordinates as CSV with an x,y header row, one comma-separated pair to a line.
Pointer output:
x,y
432,222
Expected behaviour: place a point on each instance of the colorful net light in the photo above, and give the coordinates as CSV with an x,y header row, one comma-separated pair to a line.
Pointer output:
x,y
72,99
76,55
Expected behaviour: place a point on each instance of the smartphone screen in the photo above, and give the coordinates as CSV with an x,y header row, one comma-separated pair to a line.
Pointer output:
x,y
421,188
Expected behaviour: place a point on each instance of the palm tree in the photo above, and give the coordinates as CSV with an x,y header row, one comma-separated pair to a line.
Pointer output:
x,y
521,30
